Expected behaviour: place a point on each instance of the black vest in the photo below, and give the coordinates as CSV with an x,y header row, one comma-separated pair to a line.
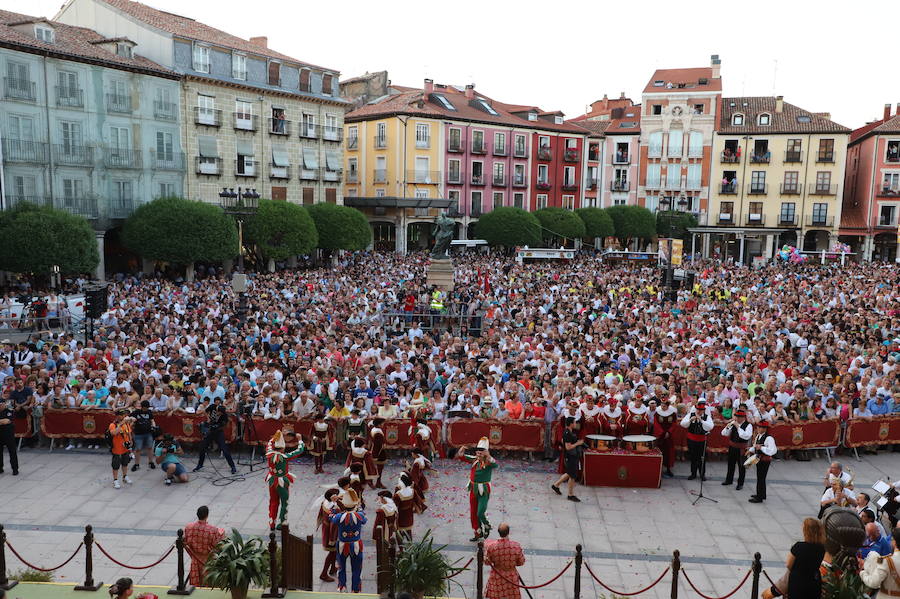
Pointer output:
x,y
735,438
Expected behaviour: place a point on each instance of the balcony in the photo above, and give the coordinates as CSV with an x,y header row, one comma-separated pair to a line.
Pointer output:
x,y
725,218
787,220
544,153
519,181
453,212
478,147
455,145
695,152
813,220
247,169
569,185
823,190
330,176
792,156
310,131
728,158
455,177
69,97
791,189
85,206
121,207
245,122
207,116
673,185
570,155
757,189
167,161
118,103
208,166
32,152
14,200
653,185
353,143
590,184
423,177
693,185
335,134
19,89
353,176
70,155
122,158
520,152
619,185
279,172
311,174
543,185
279,126
423,144
500,150
889,192
167,111
380,143
654,152
594,156
825,157
755,219
475,212
890,221
380,175
619,158
477,180
499,180
763,158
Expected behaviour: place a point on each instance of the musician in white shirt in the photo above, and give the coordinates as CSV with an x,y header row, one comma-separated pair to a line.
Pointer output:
x,y
763,446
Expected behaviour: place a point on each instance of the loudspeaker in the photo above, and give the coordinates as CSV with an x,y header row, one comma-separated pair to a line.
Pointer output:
x,y
239,283
690,279
94,301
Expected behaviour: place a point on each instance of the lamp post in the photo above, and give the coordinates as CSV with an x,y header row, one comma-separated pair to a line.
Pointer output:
x,y
239,204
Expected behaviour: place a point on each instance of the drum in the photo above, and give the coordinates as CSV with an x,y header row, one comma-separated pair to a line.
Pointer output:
x,y
640,443
600,442
751,460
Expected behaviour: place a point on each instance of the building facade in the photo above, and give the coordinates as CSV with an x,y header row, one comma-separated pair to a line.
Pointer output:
x,y
88,124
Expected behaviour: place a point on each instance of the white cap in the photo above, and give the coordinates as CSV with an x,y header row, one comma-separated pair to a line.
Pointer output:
x,y
483,444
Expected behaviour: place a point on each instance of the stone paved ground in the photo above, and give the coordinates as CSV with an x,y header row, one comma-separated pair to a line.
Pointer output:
x,y
628,535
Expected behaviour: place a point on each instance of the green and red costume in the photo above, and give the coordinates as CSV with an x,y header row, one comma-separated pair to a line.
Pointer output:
x,y
479,492
279,480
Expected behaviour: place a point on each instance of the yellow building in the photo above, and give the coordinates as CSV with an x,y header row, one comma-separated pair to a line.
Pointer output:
x,y
776,176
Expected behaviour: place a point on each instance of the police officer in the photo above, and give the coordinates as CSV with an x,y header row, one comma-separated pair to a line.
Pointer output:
x,y
218,418
8,434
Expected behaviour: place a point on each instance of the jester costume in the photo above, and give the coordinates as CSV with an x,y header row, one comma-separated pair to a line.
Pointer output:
x,y
349,542
480,488
279,477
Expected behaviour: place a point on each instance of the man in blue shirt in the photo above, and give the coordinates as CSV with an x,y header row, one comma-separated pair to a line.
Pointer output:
x,y
880,406
875,542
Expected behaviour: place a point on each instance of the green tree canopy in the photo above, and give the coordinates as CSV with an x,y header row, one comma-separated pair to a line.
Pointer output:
x,y
34,239
675,224
632,221
597,223
281,230
340,227
181,232
558,223
509,226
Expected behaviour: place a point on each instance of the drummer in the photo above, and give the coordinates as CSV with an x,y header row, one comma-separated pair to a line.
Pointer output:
x,y
637,419
663,423
613,416
589,412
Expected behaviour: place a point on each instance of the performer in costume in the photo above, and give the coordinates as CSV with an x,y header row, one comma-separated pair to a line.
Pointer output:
x,y
360,455
328,508
738,432
612,412
376,448
483,466
385,518
320,442
279,477
356,427
349,542
698,423
664,420
589,412
408,506
417,473
357,481
637,418
421,437
764,447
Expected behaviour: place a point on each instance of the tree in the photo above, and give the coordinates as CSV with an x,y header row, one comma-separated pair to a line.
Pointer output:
x,y
34,239
181,232
675,224
281,230
632,222
597,222
509,226
558,223
340,227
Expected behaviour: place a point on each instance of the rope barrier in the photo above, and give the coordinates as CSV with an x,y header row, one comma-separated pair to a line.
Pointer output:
x,y
737,588
537,586
615,592
461,570
33,567
766,574
118,563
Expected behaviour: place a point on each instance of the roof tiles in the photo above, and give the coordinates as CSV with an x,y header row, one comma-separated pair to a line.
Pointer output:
x,y
791,119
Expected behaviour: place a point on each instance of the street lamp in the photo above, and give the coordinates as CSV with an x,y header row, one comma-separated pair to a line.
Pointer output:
x,y
239,204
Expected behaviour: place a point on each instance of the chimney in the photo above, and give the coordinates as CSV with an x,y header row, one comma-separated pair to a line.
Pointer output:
x,y
622,96
604,97
470,91
261,41
429,86
779,103
898,109
716,65
887,111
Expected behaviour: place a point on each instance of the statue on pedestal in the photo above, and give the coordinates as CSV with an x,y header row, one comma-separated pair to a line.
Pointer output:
x,y
443,230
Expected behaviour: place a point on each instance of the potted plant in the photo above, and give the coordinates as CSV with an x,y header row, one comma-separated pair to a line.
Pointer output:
x,y
423,570
236,563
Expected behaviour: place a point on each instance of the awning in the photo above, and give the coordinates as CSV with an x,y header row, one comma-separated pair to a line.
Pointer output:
x,y
208,146
245,147
310,160
280,158
332,161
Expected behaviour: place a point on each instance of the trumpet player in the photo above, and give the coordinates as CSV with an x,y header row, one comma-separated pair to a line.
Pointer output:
x,y
764,447
838,495
698,422
738,432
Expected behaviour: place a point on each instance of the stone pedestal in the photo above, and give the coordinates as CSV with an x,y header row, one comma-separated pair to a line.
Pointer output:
x,y
440,274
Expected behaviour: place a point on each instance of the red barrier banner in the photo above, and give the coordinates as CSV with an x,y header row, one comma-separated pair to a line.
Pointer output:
x,y
262,429
517,435
186,427
397,435
881,430
93,424
809,435
23,427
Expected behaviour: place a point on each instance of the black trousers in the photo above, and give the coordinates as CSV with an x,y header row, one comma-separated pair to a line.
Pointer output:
x,y
762,470
9,442
217,436
695,451
735,459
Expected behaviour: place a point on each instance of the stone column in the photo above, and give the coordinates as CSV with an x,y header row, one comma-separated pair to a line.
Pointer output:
x,y
270,265
740,259
770,246
100,272
401,232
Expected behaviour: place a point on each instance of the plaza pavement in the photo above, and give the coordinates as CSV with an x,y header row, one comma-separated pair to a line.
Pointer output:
x,y
628,534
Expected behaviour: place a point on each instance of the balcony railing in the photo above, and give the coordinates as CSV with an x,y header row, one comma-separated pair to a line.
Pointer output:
x,y
477,180
618,158
167,161
673,185
475,211
122,158
500,150
85,206
499,180
619,185
380,143
893,157
544,153
423,177
423,144
247,169
14,200
793,156
478,147
654,152
543,185
119,103
887,222
330,176
757,189
595,156
763,158
520,181
279,172
69,97
787,220
693,184
165,110
207,116
455,177
453,212
455,145
335,134
725,218
695,152
352,176
791,189
813,220
34,152
520,152
208,166
653,184
728,188
380,175
70,155
823,190
889,192
728,158
245,122
569,185
310,131
279,126
570,155
353,143
121,207
19,89
590,184
311,174
825,157
756,219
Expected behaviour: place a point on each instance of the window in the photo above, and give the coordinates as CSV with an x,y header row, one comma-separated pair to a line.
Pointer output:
x,y
476,203
698,108
791,182
619,201
478,141
693,175
794,149
676,139
444,102
245,164
206,110
532,116
381,135
500,143
455,141
823,182
520,145
274,73
695,144
887,216
422,193
123,195
557,120
756,212
764,119
656,109
44,34
201,58
820,214
304,80
21,133
568,202
453,196
673,177
327,84
208,163
541,201
569,176
655,144
353,170
499,173
571,143
23,188
477,173
380,169
826,150
498,199
70,137
543,174
788,213
308,123
421,174
726,211
166,190
485,106
73,190
239,66
18,84
891,183
379,193
124,50
737,119
423,135
165,149
119,140
804,118
332,132
243,115
519,199
758,182
892,153
454,174
519,174
653,175
352,137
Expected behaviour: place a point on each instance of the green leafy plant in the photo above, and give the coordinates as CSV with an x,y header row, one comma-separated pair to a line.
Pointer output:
x,y
675,224
423,570
597,222
842,581
508,227
559,223
29,575
281,230
236,563
632,222
340,227
34,239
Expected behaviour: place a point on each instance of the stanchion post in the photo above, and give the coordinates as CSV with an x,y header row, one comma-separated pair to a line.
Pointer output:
x,y
578,559
183,587
676,567
757,568
5,583
392,565
89,584
274,590
479,571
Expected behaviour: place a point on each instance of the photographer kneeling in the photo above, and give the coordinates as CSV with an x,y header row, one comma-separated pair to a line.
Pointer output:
x,y
167,452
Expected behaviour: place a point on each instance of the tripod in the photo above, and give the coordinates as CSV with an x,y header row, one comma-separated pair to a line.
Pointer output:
x,y
699,493
248,428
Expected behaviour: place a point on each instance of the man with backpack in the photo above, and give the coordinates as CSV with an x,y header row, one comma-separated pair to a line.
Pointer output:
x,y
120,441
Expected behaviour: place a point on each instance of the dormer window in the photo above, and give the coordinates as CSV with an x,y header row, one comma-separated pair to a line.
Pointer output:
x,y
558,120
124,50
737,119
659,83
43,33
532,116
765,118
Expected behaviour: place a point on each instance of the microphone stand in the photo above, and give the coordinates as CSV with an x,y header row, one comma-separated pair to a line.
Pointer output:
x,y
700,494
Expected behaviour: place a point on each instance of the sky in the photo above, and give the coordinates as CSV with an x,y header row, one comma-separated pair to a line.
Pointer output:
x,y
562,55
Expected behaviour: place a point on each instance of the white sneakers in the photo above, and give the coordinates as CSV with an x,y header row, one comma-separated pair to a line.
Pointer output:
x,y
127,480
70,447
116,484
